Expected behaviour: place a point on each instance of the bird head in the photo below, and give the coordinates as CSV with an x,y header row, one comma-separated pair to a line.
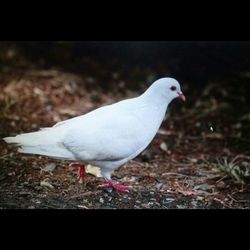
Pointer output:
x,y
169,88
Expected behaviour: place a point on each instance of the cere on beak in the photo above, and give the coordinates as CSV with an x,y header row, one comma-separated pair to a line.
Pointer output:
x,y
181,96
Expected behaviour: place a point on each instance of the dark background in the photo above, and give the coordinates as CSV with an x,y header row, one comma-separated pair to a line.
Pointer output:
x,y
197,62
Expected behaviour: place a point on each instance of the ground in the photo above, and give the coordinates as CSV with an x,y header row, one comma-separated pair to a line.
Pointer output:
x,y
200,158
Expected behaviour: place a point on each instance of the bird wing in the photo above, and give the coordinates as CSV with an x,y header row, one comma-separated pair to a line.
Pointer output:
x,y
108,134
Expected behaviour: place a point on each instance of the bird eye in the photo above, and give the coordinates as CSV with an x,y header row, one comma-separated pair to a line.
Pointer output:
x,y
173,88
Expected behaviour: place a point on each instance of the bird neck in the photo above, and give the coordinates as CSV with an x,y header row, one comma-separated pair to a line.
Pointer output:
x,y
154,97
151,110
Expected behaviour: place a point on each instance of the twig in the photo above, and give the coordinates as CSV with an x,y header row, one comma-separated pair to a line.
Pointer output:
x,y
222,178
222,202
172,173
232,198
240,156
241,201
138,163
189,164
50,206
84,194
182,164
4,157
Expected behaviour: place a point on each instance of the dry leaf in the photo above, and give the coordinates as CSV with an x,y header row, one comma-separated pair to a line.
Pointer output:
x,y
93,170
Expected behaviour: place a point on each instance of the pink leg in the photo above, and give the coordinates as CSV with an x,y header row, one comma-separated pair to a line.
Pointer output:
x,y
114,184
81,170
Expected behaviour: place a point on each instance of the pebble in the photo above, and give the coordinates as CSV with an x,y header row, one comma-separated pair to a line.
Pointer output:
x,y
169,200
125,200
200,198
23,193
194,203
46,184
82,206
135,206
180,206
158,185
163,146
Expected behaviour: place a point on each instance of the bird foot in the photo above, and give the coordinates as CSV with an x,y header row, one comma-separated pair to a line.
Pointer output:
x,y
81,171
116,185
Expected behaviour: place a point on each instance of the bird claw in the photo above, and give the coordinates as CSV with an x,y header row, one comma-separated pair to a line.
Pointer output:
x,y
105,185
116,185
80,172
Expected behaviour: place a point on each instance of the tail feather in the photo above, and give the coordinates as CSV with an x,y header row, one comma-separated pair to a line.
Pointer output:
x,y
50,151
33,138
43,142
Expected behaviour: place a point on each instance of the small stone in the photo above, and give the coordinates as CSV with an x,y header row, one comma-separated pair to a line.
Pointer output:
x,y
194,203
125,200
169,199
153,175
163,146
221,184
135,206
200,198
82,206
158,185
180,206
46,184
193,160
23,193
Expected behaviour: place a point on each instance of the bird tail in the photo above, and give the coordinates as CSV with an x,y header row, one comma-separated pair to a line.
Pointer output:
x,y
43,142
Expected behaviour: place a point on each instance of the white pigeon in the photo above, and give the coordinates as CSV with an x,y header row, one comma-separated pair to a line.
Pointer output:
x,y
106,137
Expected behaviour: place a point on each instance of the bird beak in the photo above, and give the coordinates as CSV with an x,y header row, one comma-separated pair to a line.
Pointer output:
x,y
181,96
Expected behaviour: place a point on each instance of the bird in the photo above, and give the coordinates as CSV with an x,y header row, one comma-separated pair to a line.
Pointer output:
x,y
106,137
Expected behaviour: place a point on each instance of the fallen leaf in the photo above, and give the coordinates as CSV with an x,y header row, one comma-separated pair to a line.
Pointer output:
x,y
93,170
50,167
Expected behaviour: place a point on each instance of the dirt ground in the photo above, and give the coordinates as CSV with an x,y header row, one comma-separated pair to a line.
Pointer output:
x,y
200,157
